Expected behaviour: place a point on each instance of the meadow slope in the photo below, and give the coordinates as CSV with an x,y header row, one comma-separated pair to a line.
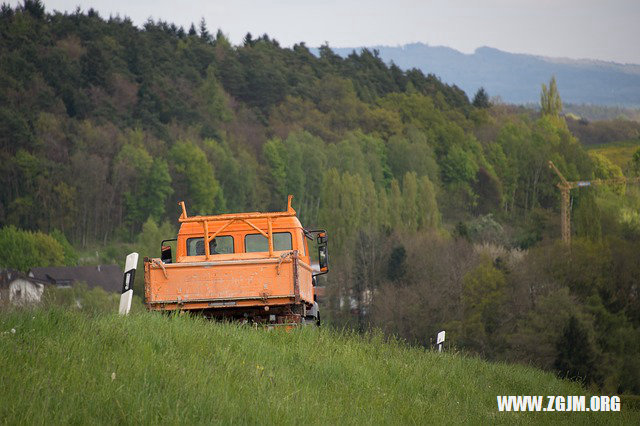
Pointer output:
x,y
619,153
64,367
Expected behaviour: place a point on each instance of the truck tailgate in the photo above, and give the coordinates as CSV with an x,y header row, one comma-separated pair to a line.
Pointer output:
x,y
262,280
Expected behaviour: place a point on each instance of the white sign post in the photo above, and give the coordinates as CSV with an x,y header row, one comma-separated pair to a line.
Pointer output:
x,y
440,340
127,283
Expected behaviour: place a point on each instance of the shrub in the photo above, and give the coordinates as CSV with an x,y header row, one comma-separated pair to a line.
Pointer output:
x,y
23,250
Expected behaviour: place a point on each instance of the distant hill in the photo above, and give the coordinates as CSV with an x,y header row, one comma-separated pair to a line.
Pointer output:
x,y
516,78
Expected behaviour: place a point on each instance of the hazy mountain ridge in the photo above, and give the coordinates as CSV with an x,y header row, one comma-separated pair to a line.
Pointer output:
x,y
517,77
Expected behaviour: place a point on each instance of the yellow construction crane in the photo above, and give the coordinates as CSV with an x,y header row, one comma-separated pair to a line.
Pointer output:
x,y
565,189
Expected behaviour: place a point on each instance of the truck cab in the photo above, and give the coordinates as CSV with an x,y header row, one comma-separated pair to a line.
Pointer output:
x,y
254,266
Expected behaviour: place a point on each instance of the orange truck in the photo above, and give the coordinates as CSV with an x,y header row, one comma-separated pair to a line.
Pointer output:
x,y
254,267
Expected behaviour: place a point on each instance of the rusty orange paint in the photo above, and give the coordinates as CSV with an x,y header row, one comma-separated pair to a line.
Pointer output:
x,y
258,280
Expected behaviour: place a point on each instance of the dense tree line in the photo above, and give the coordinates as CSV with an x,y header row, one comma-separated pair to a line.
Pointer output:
x,y
442,212
603,132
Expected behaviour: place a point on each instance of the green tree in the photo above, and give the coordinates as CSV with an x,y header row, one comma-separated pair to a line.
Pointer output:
x,y
70,255
539,330
237,174
157,188
550,101
215,102
23,250
370,215
428,213
412,154
576,355
34,7
459,166
148,245
635,163
204,32
410,212
384,220
587,216
397,265
295,169
194,179
483,299
603,168
330,204
341,207
275,155
395,205
145,184
481,99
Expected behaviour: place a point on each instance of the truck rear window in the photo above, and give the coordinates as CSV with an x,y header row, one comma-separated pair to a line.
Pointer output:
x,y
219,245
258,242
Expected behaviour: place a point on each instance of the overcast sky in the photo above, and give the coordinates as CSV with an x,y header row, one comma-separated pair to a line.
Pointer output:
x,y
595,29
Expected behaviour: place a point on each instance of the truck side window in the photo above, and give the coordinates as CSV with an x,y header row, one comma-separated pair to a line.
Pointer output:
x,y
220,245
259,243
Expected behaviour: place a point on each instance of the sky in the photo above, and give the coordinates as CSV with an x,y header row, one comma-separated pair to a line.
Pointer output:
x,y
608,30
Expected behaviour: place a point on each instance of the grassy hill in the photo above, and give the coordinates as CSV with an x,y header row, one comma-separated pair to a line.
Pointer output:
x,y
619,153
65,367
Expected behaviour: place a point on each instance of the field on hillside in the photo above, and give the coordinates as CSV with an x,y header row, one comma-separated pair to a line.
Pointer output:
x,y
59,366
620,153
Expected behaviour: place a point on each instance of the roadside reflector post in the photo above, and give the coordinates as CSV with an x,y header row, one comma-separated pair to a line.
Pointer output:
x,y
440,340
127,283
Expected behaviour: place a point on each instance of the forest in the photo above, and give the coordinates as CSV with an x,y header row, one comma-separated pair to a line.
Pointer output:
x,y
441,209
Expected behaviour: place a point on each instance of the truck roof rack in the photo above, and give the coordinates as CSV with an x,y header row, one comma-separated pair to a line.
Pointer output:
x,y
230,218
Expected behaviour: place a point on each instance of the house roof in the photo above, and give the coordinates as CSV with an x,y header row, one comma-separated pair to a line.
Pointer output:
x,y
7,276
109,277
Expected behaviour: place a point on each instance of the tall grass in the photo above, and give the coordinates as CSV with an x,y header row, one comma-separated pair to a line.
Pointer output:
x,y
63,366
620,153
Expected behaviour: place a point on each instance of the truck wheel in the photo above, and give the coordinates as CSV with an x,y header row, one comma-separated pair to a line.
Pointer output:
x,y
311,320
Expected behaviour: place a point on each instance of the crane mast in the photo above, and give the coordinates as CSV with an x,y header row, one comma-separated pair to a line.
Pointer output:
x,y
566,186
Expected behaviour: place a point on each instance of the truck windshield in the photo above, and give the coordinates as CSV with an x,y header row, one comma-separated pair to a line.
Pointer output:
x,y
258,242
219,245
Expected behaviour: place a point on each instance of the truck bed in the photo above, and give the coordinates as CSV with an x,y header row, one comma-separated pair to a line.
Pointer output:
x,y
247,282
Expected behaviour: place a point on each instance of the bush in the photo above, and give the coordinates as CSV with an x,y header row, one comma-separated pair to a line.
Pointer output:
x,y
70,255
23,250
82,298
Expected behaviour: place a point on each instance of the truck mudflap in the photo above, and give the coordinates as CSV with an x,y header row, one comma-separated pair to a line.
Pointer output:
x,y
256,282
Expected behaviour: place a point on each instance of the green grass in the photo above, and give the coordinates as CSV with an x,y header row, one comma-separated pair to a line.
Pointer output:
x,y
619,153
62,366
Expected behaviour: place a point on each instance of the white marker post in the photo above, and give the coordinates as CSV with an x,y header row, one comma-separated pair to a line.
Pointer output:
x,y
127,283
440,340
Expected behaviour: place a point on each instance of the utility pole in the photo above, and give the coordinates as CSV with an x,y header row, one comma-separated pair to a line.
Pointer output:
x,y
565,192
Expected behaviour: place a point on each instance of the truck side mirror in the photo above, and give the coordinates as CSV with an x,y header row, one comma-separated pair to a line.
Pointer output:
x,y
165,255
165,250
323,252
321,240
